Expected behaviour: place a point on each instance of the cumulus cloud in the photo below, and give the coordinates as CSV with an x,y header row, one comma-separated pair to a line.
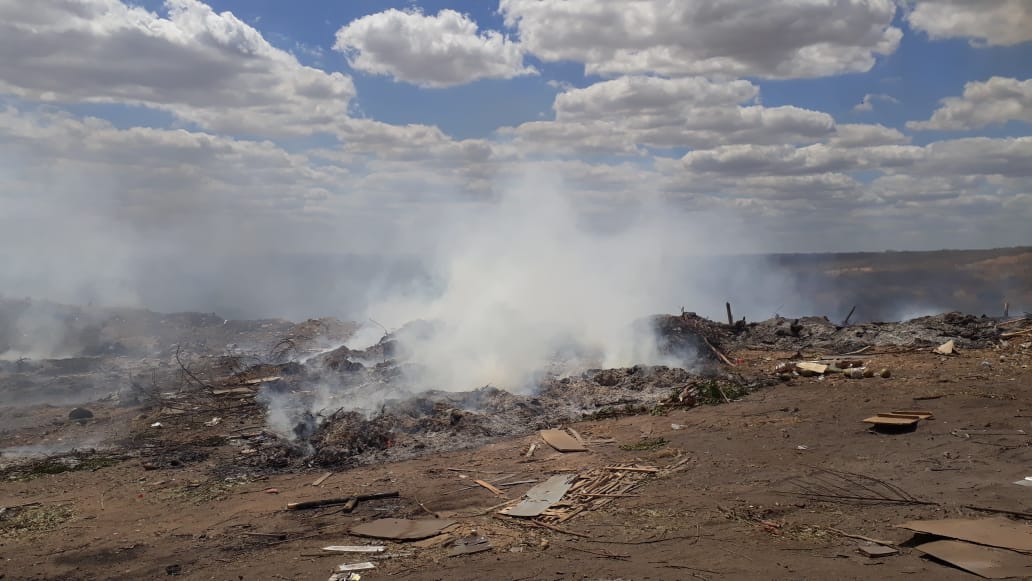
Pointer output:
x,y
432,51
207,68
806,38
867,103
994,23
187,215
628,113
864,135
992,102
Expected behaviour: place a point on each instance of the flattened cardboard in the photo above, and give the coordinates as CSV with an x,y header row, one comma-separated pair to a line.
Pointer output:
x,y
995,532
540,497
401,529
988,562
562,441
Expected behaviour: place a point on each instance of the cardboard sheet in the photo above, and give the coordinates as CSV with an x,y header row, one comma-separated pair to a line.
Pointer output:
x,y
995,532
562,441
988,562
401,529
542,496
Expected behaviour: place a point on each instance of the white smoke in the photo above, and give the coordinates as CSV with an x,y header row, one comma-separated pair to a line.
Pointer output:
x,y
531,278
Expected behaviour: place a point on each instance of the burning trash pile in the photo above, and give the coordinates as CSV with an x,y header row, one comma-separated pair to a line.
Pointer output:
x,y
311,402
348,406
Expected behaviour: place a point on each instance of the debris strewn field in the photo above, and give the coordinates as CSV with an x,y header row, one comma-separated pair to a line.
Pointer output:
x,y
785,448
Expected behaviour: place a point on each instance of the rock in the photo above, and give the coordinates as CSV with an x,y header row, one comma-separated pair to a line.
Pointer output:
x,y
80,414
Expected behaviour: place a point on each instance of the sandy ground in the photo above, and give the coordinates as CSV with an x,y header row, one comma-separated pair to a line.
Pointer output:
x,y
733,510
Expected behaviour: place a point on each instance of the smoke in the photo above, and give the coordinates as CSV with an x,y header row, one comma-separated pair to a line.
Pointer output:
x,y
532,283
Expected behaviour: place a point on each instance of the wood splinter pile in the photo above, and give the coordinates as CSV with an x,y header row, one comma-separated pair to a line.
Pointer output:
x,y
595,489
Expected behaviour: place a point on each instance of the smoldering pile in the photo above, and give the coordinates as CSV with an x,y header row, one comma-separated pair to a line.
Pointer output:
x,y
350,406
306,405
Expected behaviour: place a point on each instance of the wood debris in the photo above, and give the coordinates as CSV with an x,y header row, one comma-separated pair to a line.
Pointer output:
x,y
488,486
592,490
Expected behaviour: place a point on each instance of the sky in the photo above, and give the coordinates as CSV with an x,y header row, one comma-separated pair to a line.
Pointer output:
x,y
137,137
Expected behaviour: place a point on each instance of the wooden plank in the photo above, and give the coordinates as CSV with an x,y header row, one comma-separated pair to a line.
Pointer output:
x,y
880,420
322,479
356,548
488,486
923,414
401,529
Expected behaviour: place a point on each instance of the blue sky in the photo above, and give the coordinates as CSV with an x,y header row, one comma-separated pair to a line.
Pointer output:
x,y
236,128
919,73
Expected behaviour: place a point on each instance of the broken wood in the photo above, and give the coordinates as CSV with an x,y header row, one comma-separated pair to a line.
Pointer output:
x,y
488,486
845,322
348,500
717,352
860,537
356,548
322,479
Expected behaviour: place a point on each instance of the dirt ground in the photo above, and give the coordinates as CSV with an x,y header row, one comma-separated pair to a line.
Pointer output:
x,y
736,507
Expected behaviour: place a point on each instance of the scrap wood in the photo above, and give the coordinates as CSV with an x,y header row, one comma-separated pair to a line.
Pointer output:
x,y
356,548
604,554
557,529
348,500
434,541
717,352
356,566
322,479
488,486
401,529
859,537
576,435
1016,333
649,469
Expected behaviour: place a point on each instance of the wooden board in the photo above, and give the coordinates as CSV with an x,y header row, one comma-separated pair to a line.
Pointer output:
x,y
995,532
542,496
562,441
923,414
401,529
880,420
988,562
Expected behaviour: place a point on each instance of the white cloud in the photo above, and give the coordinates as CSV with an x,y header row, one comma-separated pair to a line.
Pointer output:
x,y
863,135
987,22
625,114
431,51
207,68
867,104
747,160
804,38
993,102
